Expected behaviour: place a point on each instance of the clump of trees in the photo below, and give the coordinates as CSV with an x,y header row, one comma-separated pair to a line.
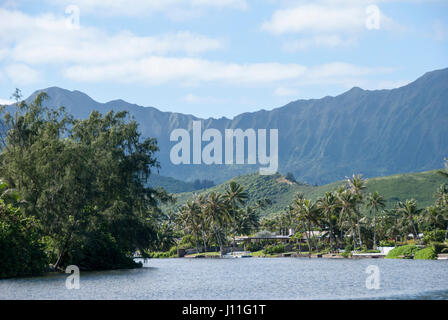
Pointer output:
x,y
215,218
351,217
82,186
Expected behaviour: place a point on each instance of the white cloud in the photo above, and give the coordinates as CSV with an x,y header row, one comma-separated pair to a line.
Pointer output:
x,y
90,55
156,70
5,101
188,71
330,41
173,8
326,23
285,92
315,18
46,39
195,99
21,74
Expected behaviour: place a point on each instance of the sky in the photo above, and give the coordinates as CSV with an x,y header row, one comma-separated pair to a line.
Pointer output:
x,y
214,58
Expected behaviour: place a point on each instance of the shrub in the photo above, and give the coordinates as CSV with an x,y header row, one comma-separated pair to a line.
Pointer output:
x,y
438,247
100,251
272,249
387,243
254,246
429,236
407,250
21,251
427,253
348,251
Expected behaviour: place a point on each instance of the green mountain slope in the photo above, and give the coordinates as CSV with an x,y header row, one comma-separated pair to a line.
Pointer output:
x,y
420,186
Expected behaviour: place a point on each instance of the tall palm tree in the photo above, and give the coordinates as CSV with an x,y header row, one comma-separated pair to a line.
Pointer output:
x,y
190,217
442,202
410,210
306,212
215,208
248,220
375,201
235,196
434,216
327,204
441,195
348,201
357,185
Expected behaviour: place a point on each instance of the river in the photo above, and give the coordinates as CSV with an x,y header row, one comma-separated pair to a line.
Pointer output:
x,y
250,278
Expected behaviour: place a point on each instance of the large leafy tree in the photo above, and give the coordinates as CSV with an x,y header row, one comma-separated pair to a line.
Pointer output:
x,y
84,180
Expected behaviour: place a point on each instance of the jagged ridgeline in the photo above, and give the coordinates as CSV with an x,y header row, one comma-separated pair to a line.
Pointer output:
x,y
376,133
281,191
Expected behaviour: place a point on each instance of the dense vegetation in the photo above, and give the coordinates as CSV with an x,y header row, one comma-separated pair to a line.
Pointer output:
x,y
215,218
280,190
345,217
339,215
81,190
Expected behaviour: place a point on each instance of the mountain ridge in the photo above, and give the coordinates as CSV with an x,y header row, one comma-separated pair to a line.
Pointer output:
x,y
374,132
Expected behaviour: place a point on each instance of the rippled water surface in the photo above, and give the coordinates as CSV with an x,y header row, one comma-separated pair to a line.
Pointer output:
x,y
253,278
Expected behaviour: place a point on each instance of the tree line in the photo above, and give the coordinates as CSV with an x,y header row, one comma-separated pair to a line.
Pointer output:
x,y
349,216
215,218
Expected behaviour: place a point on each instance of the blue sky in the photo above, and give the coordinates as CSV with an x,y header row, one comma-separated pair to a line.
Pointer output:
x,y
214,58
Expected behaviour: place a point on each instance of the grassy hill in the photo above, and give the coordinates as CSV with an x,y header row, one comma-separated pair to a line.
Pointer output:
x,y
420,186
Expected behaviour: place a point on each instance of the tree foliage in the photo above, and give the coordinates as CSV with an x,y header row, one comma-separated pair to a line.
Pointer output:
x,y
84,181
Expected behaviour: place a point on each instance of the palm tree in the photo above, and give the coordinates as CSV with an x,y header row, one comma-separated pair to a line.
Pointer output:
x,y
375,201
190,218
357,185
235,196
348,201
307,212
248,220
327,205
215,209
442,202
392,225
434,216
410,210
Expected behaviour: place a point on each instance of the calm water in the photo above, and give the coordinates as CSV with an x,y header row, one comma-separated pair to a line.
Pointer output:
x,y
253,278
